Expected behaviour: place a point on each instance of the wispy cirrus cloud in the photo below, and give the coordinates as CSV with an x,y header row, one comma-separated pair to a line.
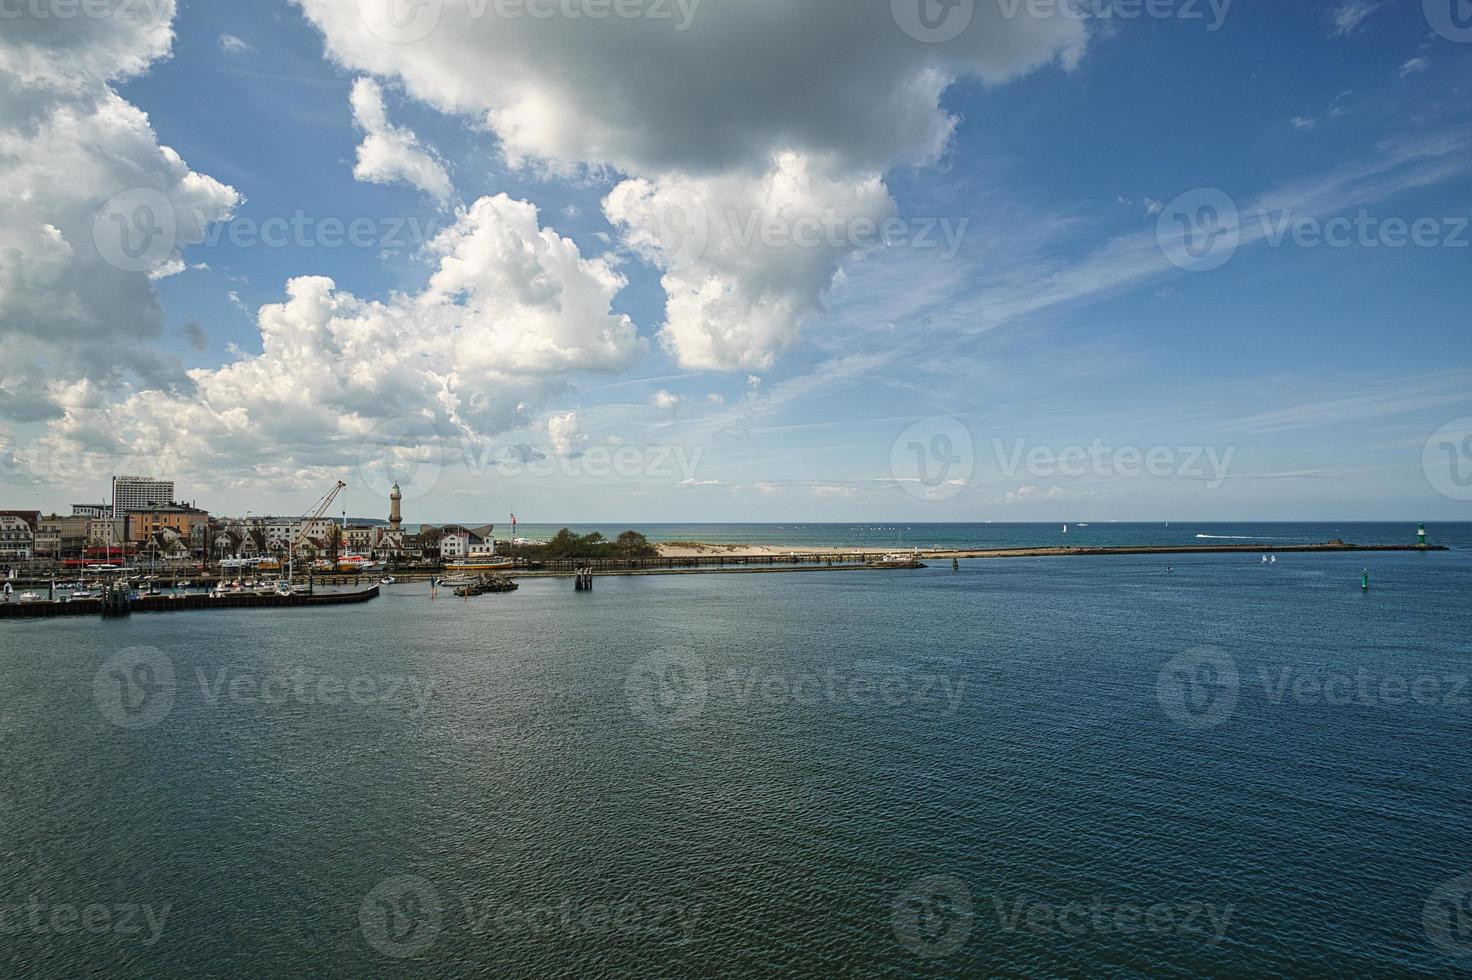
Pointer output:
x,y
1345,18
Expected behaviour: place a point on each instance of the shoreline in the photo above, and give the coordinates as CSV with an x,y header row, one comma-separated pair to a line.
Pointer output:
x,y
716,553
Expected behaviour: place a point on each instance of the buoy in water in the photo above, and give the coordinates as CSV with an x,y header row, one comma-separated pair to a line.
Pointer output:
x,y
1365,580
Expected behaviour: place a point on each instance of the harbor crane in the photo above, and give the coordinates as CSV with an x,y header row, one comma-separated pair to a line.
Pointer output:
x,y
308,519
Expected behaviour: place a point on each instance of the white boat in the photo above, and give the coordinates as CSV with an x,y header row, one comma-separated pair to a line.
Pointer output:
x,y
388,580
1065,529
30,597
487,564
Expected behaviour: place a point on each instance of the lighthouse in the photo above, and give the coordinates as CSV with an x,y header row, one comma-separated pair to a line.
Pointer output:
x,y
395,498
1421,536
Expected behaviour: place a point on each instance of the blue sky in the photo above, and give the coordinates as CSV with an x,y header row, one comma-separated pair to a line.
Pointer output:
x,y
1297,380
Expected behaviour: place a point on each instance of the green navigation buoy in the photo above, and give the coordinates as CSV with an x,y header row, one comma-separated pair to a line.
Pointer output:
x,y
1421,536
1365,580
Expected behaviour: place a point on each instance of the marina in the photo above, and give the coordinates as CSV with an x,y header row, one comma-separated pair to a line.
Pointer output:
x,y
116,604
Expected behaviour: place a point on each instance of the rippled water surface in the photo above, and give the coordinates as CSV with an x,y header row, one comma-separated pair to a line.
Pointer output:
x,y
1040,767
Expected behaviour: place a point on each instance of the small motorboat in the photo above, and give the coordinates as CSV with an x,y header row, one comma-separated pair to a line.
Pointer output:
x,y
30,597
387,580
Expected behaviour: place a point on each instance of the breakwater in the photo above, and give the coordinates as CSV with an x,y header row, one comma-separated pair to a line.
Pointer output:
x,y
182,603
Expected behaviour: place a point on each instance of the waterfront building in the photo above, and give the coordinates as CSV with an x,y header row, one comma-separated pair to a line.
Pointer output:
x,y
388,540
91,510
140,493
143,525
47,543
63,537
457,542
358,538
321,532
104,531
17,538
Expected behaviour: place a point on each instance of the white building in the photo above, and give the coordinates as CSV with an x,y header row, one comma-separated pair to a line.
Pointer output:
x,y
133,493
458,543
17,539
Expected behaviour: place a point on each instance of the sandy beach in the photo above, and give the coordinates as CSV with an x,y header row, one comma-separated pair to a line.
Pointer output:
x,y
712,552
693,550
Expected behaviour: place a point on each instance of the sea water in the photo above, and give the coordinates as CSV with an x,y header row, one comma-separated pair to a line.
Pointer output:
x,y
1116,765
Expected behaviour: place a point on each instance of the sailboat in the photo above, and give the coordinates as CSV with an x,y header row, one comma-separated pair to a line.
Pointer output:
x,y
1065,529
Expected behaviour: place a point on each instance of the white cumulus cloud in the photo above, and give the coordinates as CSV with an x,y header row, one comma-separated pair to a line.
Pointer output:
x,y
390,153
673,106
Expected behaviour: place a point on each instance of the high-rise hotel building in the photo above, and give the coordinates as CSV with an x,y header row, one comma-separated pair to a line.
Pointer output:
x,y
134,493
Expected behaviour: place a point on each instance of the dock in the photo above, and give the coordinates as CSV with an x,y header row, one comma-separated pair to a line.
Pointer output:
x,y
184,603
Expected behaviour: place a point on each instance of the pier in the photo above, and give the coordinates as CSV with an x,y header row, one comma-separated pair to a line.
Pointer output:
x,y
121,605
